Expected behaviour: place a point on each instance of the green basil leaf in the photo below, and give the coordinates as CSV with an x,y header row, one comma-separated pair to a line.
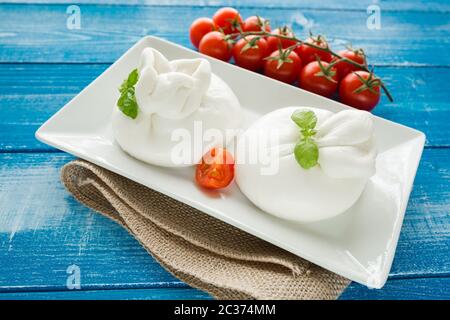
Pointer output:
x,y
121,100
127,102
129,107
123,87
308,133
132,78
130,93
304,119
306,153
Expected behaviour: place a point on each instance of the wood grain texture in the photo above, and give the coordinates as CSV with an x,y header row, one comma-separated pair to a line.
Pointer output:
x,y
404,289
44,231
414,5
31,93
123,294
414,289
108,31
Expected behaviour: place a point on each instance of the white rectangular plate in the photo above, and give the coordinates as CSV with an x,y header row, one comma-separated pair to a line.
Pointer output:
x,y
359,244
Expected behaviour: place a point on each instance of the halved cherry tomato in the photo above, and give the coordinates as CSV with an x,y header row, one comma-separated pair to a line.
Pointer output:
x,y
228,20
199,28
284,65
214,45
249,52
360,90
320,78
309,54
344,68
255,23
216,169
273,42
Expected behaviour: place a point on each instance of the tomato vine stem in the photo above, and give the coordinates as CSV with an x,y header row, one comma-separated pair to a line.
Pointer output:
x,y
363,67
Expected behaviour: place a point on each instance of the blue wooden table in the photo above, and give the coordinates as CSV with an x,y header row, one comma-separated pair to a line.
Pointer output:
x,y
43,64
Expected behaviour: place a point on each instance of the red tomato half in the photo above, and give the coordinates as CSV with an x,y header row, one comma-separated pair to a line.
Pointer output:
x,y
216,169
199,28
309,54
251,58
227,19
214,45
353,91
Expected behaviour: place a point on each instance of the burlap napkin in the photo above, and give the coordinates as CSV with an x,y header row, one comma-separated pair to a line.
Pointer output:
x,y
200,250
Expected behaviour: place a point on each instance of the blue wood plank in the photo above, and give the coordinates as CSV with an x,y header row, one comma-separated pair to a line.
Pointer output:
x,y
107,31
414,289
415,5
43,231
31,93
134,294
404,289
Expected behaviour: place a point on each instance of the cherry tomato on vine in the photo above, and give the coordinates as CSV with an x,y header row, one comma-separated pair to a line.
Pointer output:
x,y
216,169
273,42
249,52
199,28
214,45
360,90
320,78
255,23
309,54
343,68
283,65
228,20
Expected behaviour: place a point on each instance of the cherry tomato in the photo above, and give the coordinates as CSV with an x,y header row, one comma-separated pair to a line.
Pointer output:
x,y
360,90
344,68
251,58
309,54
283,66
216,169
255,23
214,45
199,28
273,42
319,78
228,20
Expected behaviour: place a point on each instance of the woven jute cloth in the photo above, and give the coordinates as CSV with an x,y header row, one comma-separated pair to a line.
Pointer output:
x,y
202,251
